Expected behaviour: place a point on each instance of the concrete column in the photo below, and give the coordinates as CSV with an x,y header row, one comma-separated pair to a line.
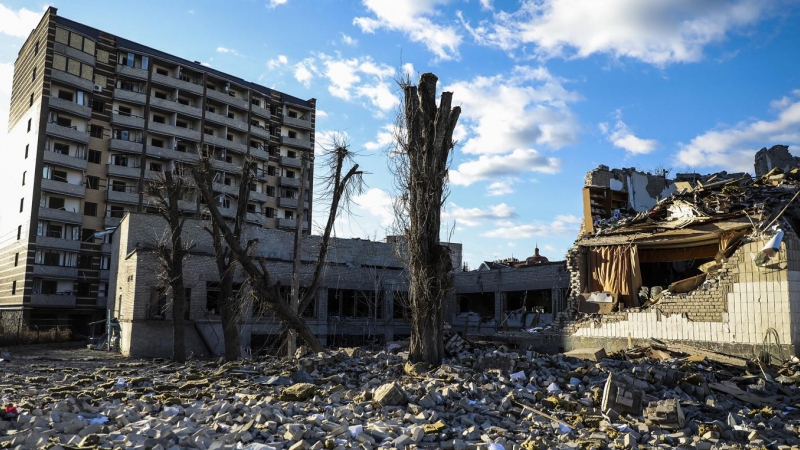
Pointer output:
x,y
388,306
498,308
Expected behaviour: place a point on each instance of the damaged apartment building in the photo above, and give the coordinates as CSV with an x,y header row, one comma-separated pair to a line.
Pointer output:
x,y
362,295
711,259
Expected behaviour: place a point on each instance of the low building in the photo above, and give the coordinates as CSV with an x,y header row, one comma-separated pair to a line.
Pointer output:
x,y
362,295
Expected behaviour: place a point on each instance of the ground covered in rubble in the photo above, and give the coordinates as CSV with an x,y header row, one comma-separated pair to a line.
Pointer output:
x,y
482,397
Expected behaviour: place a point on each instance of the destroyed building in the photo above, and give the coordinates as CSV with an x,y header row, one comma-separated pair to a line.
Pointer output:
x,y
710,259
510,295
362,296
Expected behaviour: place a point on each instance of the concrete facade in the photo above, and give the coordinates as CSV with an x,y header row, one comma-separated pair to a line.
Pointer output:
x,y
360,295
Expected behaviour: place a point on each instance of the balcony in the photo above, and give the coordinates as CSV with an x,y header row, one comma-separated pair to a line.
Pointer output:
x,y
227,121
256,218
167,154
62,187
57,243
177,107
73,53
229,189
70,107
225,98
54,300
64,160
257,131
72,80
104,275
286,181
105,248
133,72
124,171
291,162
290,223
285,202
125,146
110,221
173,130
259,153
41,270
258,196
294,142
259,111
226,166
228,213
60,215
127,121
297,123
130,96
220,142
127,196
177,83
69,133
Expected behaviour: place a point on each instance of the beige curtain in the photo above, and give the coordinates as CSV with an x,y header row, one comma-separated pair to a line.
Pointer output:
x,y
610,269
636,277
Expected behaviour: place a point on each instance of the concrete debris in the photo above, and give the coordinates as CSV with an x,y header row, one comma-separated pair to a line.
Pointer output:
x,y
639,398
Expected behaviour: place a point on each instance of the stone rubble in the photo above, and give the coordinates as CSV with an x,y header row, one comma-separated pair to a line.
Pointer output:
x,y
482,397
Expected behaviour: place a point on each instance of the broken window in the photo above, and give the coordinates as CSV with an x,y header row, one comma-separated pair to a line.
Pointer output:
x,y
355,303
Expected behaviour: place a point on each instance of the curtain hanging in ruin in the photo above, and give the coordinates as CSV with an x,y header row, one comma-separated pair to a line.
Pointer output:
x,y
636,277
610,269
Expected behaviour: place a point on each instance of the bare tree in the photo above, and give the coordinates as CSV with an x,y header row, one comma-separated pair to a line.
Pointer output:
x,y
340,189
230,306
424,141
167,193
256,270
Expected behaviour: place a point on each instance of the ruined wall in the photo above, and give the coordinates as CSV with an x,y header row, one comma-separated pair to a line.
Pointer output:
x,y
644,189
738,306
777,156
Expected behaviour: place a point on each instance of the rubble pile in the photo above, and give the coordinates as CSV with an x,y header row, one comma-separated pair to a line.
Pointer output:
x,y
481,397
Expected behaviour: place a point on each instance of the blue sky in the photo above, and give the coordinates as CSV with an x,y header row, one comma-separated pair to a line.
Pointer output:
x,y
548,89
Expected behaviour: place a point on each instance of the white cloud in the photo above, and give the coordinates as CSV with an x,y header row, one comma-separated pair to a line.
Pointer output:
x,y
325,138
414,19
515,111
228,50
19,23
383,139
361,78
274,3
377,203
622,137
471,217
275,63
733,147
658,32
493,166
561,225
500,188
304,71
321,114
349,40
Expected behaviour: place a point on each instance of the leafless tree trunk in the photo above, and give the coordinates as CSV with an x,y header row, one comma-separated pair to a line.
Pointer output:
x,y
257,272
421,158
340,189
167,193
291,336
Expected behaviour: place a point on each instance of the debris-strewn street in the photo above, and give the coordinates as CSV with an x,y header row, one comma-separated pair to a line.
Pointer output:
x,y
482,397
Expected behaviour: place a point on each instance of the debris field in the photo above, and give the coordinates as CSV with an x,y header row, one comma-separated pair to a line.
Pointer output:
x,y
482,397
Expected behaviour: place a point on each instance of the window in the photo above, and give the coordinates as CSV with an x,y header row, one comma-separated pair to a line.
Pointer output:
x,y
98,106
96,131
116,211
118,186
13,287
119,160
26,147
292,114
270,191
269,212
159,119
211,109
292,134
182,124
289,174
59,175
161,95
21,204
19,232
33,77
155,167
208,131
145,62
66,95
30,102
36,48
55,203
29,129
61,148
105,262
291,154
23,177
16,259
288,215
90,209
183,101
271,170
231,115
124,111
64,122
94,156
161,71
92,182
157,143
229,137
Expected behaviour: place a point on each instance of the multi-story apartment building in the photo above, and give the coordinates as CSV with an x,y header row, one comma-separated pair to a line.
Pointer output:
x,y
93,117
